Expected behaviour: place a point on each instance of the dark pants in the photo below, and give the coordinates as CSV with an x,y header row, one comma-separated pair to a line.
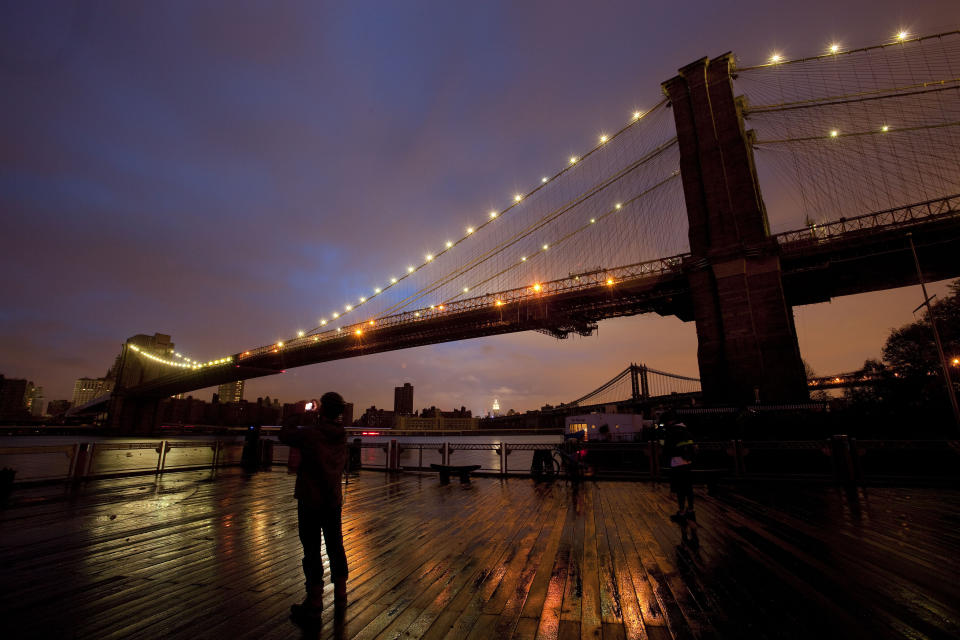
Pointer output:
x,y
681,483
312,522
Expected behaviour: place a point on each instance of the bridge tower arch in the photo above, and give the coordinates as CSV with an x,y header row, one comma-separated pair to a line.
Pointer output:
x,y
748,348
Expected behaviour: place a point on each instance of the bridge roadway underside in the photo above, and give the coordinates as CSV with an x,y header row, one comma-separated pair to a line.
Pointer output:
x,y
814,270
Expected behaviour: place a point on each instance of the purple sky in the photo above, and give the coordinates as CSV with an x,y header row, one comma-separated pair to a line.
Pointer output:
x,y
224,172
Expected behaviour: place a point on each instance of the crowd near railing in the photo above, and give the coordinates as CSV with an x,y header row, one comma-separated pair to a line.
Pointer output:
x,y
841,458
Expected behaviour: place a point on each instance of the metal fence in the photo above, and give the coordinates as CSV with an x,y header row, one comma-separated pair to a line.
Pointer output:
x,y
841,458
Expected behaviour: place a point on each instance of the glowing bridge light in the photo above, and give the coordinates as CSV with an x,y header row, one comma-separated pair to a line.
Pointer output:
x,y
410,269
592,220
417,314
523,258
280,345
775,58
465,289
300,334
902,35
362,299
348,307
603,139
637,114
359,332
393,281
441,307
323,323
429,257
371,323
537,287
377,290
573,159
499,303
449,244
493,214
335,315
834,133
469,230
339,329
544,179
885,128
517,197
609,282
545,247
834,48
618,205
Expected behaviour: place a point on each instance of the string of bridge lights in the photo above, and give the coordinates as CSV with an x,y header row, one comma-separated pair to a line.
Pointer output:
x,y
183,362
493,215
833,49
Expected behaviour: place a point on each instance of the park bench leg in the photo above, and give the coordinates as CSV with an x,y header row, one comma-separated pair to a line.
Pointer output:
x,y
444,477
464,477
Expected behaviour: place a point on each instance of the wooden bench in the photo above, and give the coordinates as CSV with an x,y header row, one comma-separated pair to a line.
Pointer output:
x,y
463,471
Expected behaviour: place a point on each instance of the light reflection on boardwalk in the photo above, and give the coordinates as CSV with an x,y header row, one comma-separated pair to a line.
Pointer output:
x,y
186,557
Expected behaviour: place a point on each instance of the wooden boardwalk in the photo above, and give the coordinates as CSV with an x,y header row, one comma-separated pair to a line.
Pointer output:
x,y
184,556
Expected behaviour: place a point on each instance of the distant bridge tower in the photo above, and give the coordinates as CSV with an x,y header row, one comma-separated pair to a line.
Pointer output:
x,y
748,347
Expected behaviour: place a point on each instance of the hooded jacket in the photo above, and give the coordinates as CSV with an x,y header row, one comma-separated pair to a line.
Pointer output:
x,y
323,456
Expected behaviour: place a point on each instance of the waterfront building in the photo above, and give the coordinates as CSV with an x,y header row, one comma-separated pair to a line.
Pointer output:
x,y
57,407
34,400
439,421
403,399
87,389
347,414
230,392
620,426
13,398
376,418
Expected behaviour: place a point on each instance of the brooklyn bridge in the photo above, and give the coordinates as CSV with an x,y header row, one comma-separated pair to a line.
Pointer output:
x,y
855,150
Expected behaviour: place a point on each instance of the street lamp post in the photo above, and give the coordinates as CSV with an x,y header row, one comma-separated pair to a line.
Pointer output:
x,y
936,335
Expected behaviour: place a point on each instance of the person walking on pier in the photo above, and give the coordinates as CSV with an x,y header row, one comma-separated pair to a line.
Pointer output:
x,y
322,443
679,451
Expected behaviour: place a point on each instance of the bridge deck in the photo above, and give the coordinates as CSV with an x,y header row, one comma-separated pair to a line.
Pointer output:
x,y
184,557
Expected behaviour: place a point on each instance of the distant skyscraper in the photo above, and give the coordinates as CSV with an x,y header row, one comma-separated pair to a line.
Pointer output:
x,y
403,400
496,407
348,414
230,392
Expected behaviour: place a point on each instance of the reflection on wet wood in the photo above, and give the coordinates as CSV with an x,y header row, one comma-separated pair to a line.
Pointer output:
x,y
185,556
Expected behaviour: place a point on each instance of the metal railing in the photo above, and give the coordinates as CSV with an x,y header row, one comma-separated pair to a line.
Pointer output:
x,y
842,458
87,460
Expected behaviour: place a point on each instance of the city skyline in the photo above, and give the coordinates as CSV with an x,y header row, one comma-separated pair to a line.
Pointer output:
x,y
158,197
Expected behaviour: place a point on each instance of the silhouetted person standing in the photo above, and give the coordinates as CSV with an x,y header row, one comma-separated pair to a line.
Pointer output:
x,y
323,455
679,453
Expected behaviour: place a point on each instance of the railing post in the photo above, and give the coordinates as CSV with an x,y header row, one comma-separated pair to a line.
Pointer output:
x,y
654,460
446,453
161,453
394,461
216,454
420,460
503,458
82,463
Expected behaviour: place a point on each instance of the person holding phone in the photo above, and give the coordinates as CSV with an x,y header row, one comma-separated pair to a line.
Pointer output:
x,y
321,441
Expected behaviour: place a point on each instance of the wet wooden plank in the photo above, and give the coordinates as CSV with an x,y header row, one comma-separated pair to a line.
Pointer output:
x,y
185,556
